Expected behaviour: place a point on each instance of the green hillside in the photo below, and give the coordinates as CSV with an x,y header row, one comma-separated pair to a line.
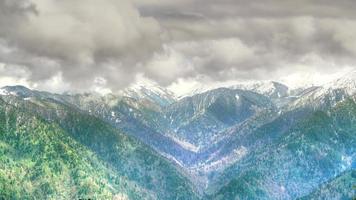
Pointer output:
x,y
50,151
342,187
311,152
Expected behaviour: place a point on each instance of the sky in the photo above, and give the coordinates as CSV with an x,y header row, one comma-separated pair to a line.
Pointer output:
x,y
107,45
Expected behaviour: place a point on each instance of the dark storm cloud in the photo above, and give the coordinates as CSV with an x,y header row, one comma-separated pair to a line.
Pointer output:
x,y
89,40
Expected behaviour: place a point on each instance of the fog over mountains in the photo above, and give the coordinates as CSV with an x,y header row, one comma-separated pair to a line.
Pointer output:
x,y
257,140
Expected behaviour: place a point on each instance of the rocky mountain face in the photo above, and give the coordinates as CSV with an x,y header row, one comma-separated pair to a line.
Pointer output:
x,y
245,141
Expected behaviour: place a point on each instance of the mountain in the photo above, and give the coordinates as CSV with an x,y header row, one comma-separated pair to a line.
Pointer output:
x,y
40,160
268,88
346,82
328,95
199,119
149,90
67,142
291,164
257,140
271,89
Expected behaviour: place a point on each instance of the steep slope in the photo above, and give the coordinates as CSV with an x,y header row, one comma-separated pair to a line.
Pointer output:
x,y
127,158
296,162
199,119
140,118
40,160
341,187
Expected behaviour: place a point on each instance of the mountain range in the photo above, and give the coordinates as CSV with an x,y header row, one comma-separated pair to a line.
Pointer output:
x,y
260,140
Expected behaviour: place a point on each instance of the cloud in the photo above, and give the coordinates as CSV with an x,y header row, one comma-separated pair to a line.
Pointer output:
x,y
105,44
83,38
190,59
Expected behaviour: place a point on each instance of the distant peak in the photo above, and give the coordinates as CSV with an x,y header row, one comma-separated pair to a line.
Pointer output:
x,y
17,90
268,88
16,87
144,88
347,82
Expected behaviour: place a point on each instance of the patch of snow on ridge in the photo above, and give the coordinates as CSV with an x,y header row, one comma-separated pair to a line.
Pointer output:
x,y
224,162
173,159
346,162
3,92
186,145
237,97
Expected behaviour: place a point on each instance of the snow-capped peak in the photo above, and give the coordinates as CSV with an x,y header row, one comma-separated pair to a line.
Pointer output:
x,y
346,82
332,92
268,88
16,91
147,89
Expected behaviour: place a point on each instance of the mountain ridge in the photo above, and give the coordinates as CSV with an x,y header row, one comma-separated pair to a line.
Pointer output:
x,y
208,137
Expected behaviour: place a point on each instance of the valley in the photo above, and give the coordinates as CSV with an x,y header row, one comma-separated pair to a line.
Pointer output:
x,y
256,141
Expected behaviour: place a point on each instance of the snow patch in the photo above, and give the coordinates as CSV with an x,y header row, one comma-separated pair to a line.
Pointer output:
x,y
237,97
172,158
224,162
120,196
186,145
346,162
3,92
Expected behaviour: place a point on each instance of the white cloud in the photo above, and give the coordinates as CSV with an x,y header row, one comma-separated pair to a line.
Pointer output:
x,y
189,59
230,50
76,43
168,64
13,75
80,30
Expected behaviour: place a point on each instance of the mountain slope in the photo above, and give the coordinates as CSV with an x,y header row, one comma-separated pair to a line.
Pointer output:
x,y
264,142
310,152
40,160
199,119
125,157
342,187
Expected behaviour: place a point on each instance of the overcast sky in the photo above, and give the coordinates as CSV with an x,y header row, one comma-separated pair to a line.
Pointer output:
x,y
81,45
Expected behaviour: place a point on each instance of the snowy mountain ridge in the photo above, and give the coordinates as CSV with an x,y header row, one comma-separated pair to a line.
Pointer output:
x,y
329,93
210,132
347,82
147,89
